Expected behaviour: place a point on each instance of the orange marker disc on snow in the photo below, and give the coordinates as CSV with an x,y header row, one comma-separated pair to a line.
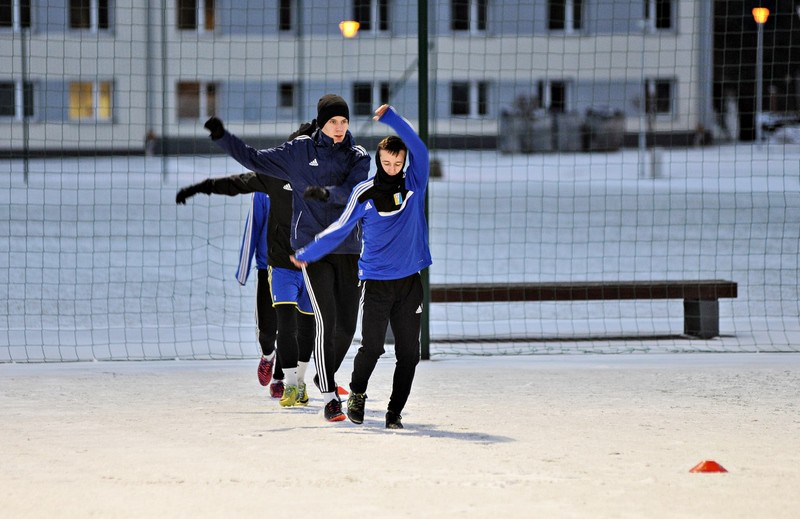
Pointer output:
x,y
708,466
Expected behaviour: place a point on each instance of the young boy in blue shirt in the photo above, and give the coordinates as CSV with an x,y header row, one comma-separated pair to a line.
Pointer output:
x,y
391,209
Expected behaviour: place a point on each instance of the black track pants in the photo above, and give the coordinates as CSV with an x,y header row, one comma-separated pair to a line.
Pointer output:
x,y
332,285
266,319
399,303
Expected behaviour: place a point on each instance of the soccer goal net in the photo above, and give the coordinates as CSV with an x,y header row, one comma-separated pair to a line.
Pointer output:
x,y
573,142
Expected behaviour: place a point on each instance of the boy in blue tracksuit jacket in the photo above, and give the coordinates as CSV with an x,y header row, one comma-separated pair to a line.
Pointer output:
x,y
322,169
391,208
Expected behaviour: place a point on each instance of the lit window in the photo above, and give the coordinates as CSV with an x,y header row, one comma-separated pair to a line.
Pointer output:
x,y
90,100
564,15
196,15
372,15
15,14
88,14
468,15
196,99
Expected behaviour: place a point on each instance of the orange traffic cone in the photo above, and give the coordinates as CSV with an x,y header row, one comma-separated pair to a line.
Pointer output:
x,y
708,466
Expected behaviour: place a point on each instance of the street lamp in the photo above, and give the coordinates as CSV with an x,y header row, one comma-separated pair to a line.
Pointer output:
x,y
349,28
760,15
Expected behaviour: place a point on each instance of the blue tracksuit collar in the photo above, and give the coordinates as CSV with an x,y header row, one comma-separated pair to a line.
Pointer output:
x,y
323,140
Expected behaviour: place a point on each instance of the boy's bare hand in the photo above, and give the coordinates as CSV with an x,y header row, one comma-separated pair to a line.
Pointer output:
x,y
297,263
380,111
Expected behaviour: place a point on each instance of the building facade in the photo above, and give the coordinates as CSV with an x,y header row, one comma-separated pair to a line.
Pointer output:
x,y
105,76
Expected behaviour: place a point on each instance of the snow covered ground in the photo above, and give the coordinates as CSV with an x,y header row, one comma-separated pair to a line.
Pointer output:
x,y
566,436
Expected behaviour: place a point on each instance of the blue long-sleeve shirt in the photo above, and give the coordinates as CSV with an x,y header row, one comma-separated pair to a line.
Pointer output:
x,y
395,243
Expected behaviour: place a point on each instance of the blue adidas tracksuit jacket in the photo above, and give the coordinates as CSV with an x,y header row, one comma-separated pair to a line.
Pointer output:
x,y
309,161
254,239
395,243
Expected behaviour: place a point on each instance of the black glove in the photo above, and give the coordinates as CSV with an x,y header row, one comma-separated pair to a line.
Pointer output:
x,y
214,125
304,129
189,191
316,193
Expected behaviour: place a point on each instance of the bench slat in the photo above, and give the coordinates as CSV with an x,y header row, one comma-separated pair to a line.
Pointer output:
x,y
705,290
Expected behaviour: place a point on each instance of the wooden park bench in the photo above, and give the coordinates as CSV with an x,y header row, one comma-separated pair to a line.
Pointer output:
x,y
700,297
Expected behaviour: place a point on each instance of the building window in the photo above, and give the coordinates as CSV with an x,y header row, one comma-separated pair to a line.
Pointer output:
x,y
88,14
15,14
196,15
365,94
286,95
362,98
564,15
553,95
16,99
285,15
658,14
468,15
659,96
372,15
469,99
196,100
90,100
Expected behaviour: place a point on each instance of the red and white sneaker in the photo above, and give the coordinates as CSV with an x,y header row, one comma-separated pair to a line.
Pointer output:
x,y
276,389
265,370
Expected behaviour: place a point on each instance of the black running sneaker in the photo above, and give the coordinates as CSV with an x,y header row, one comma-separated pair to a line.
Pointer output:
x,y
333,411
393,420
355,407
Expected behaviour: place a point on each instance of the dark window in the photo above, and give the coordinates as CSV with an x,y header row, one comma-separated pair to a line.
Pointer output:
x,y
286,95
483,98
27,99
80,14
662,19
663,14
459,15
383,15
362,14
187,14
7,99
557,19
285,15
557,15
6,13
459,99
211,99
558,97
102,14
385,93
362,98
659,96
482,7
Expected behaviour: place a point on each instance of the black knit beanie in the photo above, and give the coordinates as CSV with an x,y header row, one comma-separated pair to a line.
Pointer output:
x,y
331,105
